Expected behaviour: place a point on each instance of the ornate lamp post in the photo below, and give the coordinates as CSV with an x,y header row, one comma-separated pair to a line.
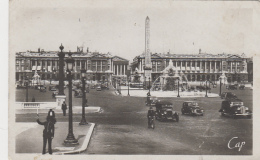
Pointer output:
x,y
128,86
145,82
26,83
149,86
206,89
70,138
83,75
209,87
220,84
61,71
178,88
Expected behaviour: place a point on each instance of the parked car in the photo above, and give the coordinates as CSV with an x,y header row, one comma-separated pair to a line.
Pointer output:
x,y
241,86
228,95
98,88
42,89
151,101
78,93
191,108
164,111
234,108
232,87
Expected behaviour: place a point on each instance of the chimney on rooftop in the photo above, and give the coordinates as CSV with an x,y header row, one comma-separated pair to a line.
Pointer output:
x,y
39,50
199,51
87,49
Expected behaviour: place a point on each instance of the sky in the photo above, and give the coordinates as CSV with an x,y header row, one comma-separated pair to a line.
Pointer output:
x,y
118,27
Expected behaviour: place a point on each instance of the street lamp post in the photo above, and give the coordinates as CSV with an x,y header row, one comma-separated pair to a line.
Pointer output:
x,y
61,71
83,119
206,89
209,87
220,84
128,86
145,82
26,83
70,137
149,86
178,88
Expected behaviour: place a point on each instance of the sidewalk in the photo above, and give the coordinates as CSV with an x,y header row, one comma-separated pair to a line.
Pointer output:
x,y
76,110
29,138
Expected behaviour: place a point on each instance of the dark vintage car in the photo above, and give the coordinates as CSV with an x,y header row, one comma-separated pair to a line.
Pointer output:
x,y
164,111
98,88
42,89
191,108
234,108
228,95
78,93
232,87
151,100
241,86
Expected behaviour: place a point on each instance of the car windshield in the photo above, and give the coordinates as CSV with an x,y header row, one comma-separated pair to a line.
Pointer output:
x,y
231,95
192,104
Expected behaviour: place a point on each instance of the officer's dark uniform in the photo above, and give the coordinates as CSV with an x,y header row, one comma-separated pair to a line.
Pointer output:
x,y
64,108
48,133
150,113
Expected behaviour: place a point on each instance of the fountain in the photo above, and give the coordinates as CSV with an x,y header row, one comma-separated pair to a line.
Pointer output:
x,y
166,85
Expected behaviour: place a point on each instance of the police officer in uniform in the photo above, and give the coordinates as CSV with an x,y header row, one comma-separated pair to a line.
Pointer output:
x,y
150,114
48,132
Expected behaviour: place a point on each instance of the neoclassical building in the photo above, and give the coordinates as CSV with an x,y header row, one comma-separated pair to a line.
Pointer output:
x,y
99,66
196,67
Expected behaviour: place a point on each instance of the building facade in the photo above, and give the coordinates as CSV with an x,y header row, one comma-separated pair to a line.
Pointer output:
x,y
99,67
196,67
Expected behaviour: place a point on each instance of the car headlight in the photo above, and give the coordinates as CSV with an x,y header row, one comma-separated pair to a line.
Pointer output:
x,y
165,112
238,108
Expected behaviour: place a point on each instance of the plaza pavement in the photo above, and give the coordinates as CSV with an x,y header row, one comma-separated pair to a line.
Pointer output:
x,y
35,141
29,138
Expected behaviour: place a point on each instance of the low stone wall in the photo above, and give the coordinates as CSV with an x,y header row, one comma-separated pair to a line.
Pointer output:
x,y
36,105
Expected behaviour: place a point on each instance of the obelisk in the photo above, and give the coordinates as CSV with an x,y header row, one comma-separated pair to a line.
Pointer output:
x,y
147,60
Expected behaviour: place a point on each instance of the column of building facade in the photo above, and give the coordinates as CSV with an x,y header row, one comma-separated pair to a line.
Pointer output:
x,y
124,70
181,66
236,66
117,69
231,67
215,69
210,62
205,68
186,66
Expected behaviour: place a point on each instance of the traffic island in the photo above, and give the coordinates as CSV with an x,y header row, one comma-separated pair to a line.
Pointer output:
x,y
29,138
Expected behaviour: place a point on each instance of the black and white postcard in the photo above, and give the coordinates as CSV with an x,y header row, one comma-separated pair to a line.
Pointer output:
x,y
133,79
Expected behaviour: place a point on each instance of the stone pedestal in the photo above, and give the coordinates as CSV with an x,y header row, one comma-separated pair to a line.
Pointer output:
x,y
60,99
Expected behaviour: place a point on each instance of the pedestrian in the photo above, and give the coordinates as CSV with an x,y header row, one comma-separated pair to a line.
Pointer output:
x,y
33,99
51,114
64,108
48,132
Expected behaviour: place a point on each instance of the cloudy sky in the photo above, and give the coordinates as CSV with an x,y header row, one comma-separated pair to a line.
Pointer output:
x,y
118,27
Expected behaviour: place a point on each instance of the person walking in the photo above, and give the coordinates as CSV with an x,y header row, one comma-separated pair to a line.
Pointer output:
x,y
48,132
64,108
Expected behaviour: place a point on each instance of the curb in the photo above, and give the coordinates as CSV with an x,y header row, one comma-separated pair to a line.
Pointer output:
x,y
84,145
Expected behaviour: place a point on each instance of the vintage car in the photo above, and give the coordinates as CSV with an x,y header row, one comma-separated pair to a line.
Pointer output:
x,y
151,100
42,89
191,108
228,95
164,111
78,93
98,87
241,86
232,87
234,108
